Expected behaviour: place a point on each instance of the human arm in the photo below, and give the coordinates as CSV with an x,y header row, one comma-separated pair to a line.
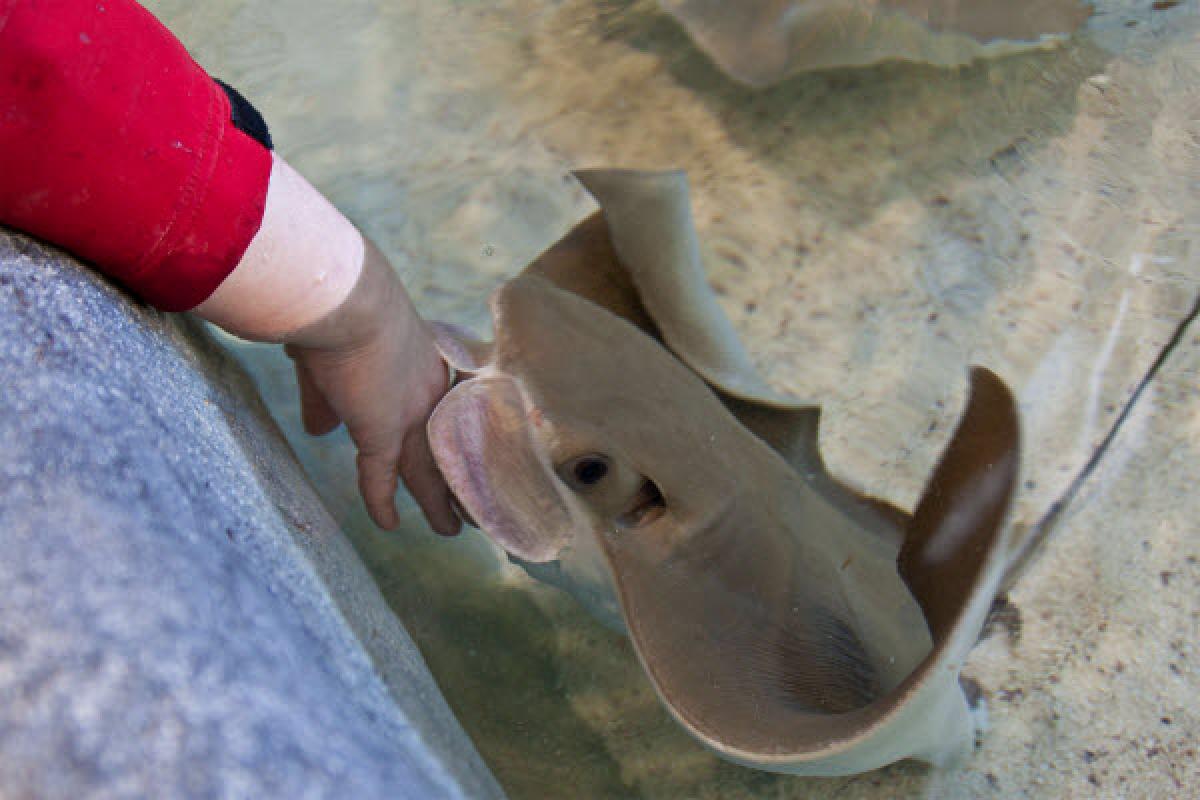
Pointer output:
x,y
362,354
117,146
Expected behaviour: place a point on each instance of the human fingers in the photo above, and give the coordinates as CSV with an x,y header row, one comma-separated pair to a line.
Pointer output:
x,y
377,482
426,484
318,416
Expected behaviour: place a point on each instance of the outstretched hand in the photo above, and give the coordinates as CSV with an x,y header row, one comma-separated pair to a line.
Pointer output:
x,y
372,364
363,355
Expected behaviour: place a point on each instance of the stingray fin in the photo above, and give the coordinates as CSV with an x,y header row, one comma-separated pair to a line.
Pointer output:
x,y
1014,20
650,221
460,348
794,434
954,547
585,263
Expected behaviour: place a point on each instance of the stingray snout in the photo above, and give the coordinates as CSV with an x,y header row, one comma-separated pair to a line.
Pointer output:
x,y
483,444
523,482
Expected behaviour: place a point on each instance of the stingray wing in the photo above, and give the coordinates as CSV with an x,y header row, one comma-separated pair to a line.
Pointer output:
x,y
650,221
784,697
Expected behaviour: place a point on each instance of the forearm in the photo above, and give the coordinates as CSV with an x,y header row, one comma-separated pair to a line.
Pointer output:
x,y
115,145
300,266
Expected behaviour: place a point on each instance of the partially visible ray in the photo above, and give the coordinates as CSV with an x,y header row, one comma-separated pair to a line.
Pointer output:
x,y
761,42
990,20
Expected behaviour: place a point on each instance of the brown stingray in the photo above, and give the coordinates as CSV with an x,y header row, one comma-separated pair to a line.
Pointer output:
x,y
616,440
760,42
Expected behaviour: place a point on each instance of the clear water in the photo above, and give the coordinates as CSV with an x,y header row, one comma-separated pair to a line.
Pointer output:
x,y
871,232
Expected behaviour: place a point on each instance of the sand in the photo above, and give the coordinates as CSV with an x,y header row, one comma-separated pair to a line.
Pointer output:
x,y
871,233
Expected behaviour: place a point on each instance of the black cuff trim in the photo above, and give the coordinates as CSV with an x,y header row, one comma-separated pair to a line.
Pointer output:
x,y
245,117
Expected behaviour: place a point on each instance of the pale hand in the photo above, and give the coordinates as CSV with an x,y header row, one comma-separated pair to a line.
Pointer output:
x,y
363,356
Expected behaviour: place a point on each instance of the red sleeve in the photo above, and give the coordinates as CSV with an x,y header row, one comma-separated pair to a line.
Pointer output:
x,y
117,146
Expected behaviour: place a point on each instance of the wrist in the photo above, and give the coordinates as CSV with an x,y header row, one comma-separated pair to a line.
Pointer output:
x,y
376,301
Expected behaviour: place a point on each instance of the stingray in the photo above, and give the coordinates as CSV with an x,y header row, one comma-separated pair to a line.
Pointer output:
x,y
760,42
616,440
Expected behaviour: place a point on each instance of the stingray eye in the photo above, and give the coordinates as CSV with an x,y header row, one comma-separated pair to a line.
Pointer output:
x,y
586,471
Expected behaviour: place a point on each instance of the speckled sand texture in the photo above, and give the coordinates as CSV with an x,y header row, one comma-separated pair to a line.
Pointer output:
x,y
870,232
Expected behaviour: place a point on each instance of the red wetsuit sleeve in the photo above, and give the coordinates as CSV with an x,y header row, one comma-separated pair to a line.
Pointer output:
x,y
117,146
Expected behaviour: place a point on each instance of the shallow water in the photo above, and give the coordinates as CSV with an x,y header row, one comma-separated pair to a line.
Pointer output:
x,y
871,232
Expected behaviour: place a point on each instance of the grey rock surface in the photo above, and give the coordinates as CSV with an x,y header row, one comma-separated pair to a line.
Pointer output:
x,y
180,616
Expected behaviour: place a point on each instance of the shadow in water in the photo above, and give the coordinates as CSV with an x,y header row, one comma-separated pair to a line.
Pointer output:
x,y
494,650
